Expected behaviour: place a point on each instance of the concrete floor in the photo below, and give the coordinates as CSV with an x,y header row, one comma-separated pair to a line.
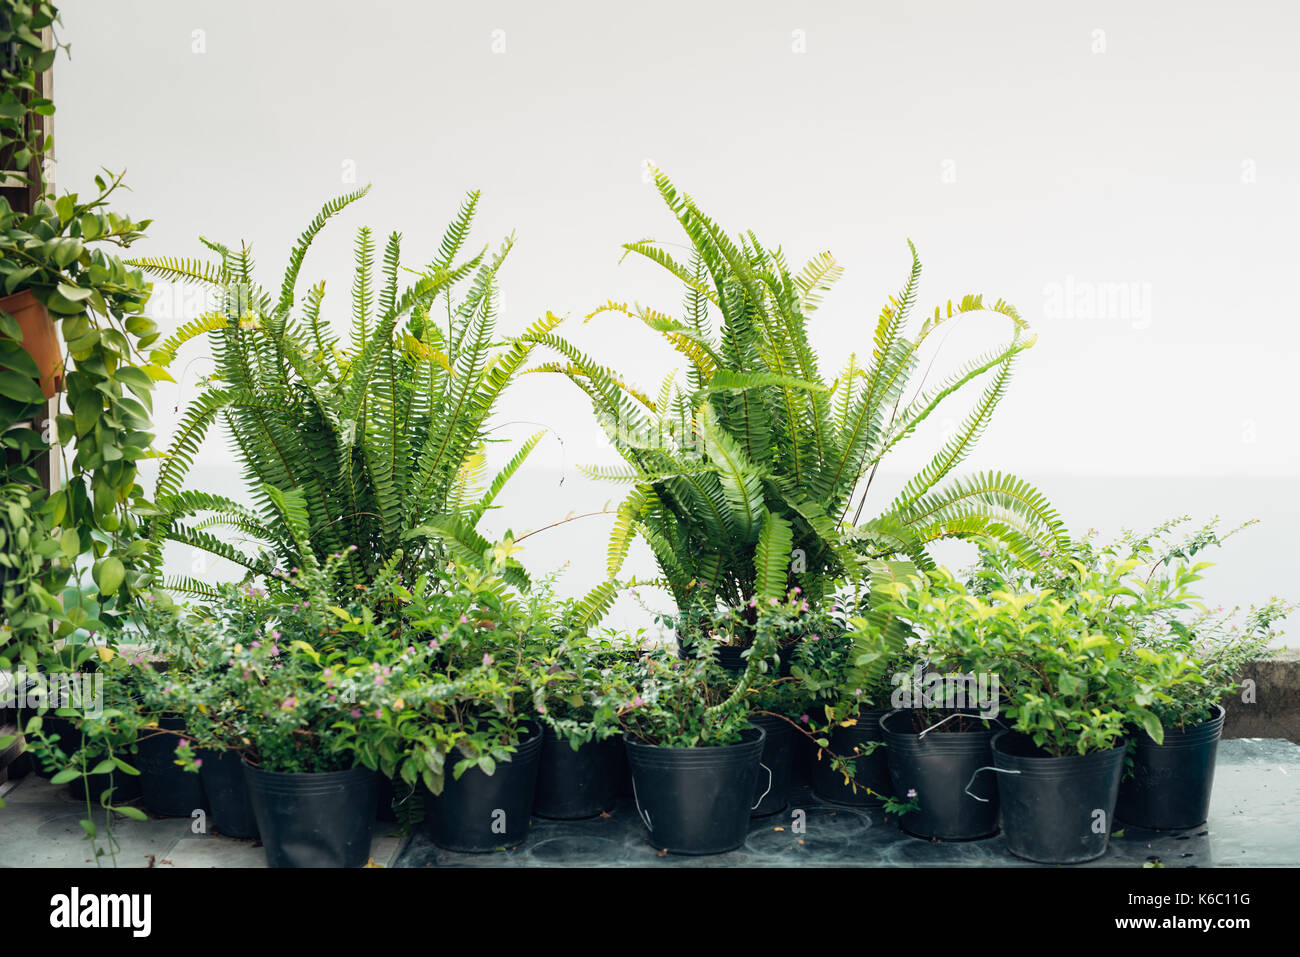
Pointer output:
x,y
40,827
1253,819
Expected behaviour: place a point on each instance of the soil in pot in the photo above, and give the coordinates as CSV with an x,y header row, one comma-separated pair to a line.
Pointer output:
x,y
168,790
323,819
482,812
40,338
696,800
1055,810
870,782
572,785
222,776
1170,784
938,765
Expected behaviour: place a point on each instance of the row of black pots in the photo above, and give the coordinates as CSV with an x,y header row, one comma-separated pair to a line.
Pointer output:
x,y
1056,810
700,800
162,786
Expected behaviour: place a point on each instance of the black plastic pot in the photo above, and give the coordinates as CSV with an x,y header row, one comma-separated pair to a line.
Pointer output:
x,y
1171,782
696,800
623,770
802,761
732,658
393,793
222,775
167,789
938,767
772,789
572,785
320,819
482,812
869,771
1055,810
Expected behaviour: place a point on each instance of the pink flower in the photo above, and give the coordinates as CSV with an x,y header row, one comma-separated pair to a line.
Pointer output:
x,y
464,620
803,718
433,646
379,712
541,709
356,712
911,792
183,743
637,702
198,762
487,659
256,644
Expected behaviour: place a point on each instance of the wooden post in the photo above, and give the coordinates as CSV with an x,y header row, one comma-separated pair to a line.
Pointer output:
x,y
22,198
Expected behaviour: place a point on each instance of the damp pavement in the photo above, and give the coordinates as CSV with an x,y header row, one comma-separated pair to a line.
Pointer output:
x,y
1252,823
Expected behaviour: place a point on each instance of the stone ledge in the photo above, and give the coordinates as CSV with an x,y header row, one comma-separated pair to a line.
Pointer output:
x,y
1275,712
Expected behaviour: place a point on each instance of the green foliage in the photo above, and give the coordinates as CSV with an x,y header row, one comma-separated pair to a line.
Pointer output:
x,y
21,25
744,482
381,439
1219,642
64,254
1072,671
34,565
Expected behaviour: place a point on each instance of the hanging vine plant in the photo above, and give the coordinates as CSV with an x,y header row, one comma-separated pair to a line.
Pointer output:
x,y
63,255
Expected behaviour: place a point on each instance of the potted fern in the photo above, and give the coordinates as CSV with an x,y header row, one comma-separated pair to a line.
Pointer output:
x,y
375,439
749,476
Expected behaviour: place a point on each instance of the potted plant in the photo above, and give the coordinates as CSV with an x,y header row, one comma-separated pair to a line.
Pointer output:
x,y
696,758
1169,781
315,685
377,438
945,713
199,694
1069,694
853,678
579,686
749,474
802,638
471,738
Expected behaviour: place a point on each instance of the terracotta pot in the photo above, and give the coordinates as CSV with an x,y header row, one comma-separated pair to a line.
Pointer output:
x,y
40,338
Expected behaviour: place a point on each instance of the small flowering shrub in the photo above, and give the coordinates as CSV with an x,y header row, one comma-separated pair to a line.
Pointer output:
x,y
1073,672
581,684
682,703
290,687
1165,615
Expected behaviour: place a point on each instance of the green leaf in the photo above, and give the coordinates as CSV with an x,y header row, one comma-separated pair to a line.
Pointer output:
x,y
66,775
20,388
109,574
134,813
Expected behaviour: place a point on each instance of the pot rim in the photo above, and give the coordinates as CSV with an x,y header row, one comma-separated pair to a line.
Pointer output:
x,y
633,742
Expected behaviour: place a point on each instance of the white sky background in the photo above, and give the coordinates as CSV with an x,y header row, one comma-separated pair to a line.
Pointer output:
x,y
1044,153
